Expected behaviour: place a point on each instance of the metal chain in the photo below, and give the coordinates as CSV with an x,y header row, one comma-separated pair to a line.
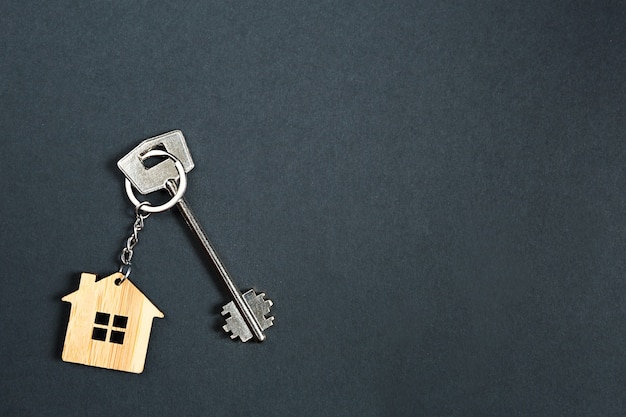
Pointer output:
x,y
131,242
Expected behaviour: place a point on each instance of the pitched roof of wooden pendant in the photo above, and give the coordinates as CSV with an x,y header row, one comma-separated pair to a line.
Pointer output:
x,y
108,287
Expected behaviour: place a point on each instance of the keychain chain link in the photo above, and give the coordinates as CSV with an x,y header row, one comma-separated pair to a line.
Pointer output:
x,y
131,242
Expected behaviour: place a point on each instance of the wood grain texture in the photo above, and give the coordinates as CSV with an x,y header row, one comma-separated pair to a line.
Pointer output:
x,y
105,296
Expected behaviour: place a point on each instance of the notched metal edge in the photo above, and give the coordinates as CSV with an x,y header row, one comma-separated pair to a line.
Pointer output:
x,y
142,178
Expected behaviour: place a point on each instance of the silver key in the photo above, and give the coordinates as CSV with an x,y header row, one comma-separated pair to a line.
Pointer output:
x,y
246,314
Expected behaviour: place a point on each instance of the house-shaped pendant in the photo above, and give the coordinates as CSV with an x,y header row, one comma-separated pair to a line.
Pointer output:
x,y
110,324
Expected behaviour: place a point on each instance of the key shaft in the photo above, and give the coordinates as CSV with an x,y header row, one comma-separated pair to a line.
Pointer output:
x,y
195,227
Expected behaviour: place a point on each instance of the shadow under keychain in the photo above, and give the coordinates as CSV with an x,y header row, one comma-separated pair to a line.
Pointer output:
x,y
111,319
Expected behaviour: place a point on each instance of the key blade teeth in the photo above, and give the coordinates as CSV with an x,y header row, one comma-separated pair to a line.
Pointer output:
x,y
228,330
229,310
237,331
260,307
235,323
268,302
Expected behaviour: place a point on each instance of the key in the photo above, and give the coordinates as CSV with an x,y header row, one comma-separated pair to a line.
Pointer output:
x,y
246,313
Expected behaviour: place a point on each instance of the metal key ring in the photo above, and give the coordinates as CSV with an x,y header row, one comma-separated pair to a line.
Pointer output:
x,y
182,185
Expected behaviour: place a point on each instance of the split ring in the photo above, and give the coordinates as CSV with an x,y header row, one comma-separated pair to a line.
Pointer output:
x,y
182,185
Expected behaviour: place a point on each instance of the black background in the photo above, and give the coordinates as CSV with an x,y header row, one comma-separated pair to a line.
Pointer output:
x,y
432,193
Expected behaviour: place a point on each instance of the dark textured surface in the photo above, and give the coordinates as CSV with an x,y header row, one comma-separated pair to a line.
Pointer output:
x,y
433,194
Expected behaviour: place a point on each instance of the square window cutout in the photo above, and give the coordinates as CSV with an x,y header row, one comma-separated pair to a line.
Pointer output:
x,y
99,334
102,318
120,321
117,337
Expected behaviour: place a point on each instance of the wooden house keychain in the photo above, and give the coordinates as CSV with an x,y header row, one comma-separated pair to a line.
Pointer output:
x,y
111,319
